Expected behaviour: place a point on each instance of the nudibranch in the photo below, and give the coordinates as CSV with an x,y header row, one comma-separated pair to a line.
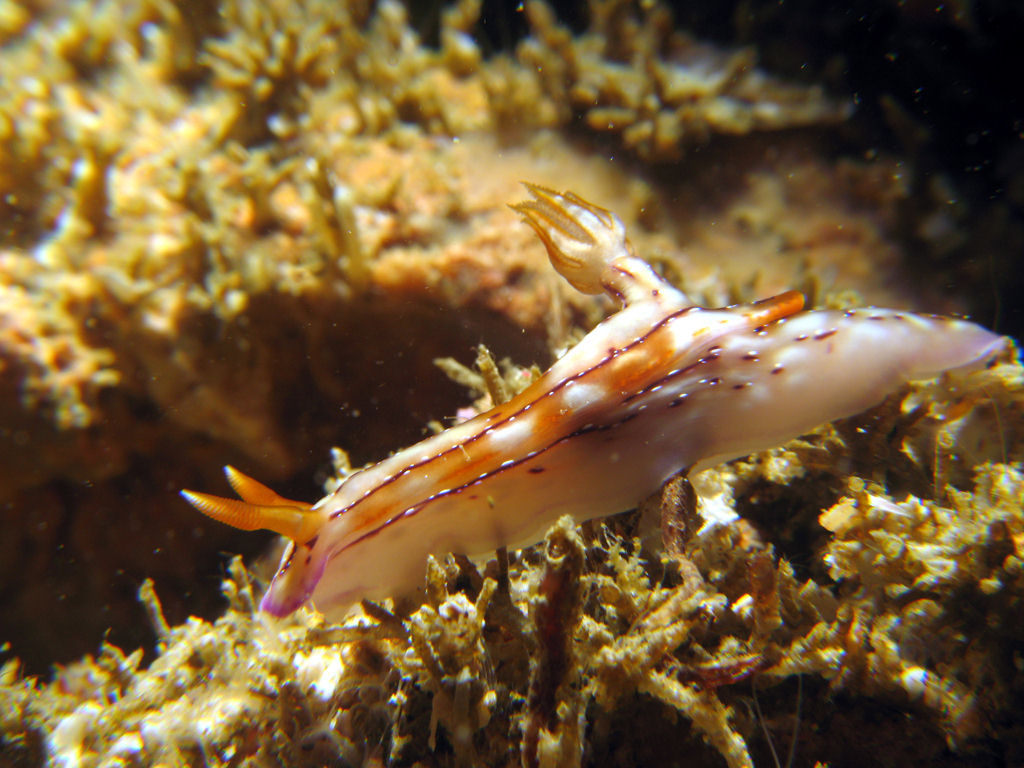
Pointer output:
x,y
658,387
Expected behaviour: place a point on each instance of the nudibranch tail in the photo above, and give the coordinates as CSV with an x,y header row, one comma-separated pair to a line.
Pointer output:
x,y
260,508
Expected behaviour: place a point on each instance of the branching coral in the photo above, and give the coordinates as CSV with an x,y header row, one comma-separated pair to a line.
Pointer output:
x,y
271,55
658,89
110,166
918,573
242,688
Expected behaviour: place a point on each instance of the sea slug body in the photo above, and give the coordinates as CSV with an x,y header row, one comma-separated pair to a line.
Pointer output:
x,y
658,387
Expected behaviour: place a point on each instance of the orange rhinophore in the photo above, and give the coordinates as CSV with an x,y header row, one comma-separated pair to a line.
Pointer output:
x,y
260,508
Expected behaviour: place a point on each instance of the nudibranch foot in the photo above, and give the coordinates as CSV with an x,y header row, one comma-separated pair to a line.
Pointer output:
x,y
659,387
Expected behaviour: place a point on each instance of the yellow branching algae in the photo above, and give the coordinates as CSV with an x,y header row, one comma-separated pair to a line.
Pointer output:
x,y
636,76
